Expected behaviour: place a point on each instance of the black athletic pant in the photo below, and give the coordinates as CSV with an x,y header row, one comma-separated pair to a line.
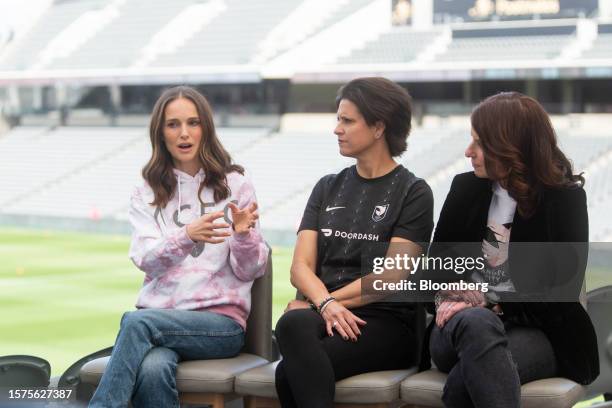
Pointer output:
x,y
312,361
487,362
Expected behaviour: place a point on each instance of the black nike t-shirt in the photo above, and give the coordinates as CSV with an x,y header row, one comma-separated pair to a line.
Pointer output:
x,y
349,211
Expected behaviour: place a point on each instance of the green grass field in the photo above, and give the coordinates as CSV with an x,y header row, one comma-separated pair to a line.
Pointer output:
x,y
62,294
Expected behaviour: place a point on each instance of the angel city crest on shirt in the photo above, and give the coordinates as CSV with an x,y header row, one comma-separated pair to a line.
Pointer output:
x,y
379,213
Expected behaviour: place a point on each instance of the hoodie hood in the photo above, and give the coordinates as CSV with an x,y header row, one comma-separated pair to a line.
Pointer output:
x,y
182,177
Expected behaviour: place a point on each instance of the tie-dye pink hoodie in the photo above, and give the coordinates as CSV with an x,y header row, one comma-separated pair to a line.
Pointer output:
x,y
182,274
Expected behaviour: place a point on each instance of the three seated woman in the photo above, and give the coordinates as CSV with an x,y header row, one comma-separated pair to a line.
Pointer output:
x,y
196,237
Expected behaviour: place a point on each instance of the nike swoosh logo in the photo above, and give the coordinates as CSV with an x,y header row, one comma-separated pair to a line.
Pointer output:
x,y
333,208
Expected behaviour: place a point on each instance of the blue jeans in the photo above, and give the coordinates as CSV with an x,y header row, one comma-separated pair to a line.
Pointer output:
x,y
487,360
148,348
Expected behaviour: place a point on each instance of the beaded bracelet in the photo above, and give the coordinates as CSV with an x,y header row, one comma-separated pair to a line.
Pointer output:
x,y
325,303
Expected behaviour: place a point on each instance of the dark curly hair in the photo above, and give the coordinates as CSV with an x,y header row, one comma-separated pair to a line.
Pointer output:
x,y
520,148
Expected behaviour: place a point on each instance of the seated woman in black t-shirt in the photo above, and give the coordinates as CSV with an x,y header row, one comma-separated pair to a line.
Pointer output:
x,y
336,332
527,211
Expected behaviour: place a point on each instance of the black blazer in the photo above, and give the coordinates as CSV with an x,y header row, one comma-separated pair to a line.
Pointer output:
x,y
561,216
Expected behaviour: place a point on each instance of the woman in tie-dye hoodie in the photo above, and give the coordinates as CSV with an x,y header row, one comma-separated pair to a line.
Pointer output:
x,y
196,238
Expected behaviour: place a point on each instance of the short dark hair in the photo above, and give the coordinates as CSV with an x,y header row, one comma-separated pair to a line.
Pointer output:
x,y
381,100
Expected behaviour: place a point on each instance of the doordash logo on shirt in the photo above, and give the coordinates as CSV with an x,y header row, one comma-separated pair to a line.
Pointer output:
x,y
328,232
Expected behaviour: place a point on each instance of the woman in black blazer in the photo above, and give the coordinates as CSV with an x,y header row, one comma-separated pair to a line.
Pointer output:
x,y
522,189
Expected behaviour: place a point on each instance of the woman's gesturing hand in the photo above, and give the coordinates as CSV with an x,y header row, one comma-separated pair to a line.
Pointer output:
x,y
206,230
244,219
339,318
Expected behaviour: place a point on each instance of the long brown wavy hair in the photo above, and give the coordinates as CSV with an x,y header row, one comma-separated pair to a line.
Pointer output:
x,y
520,148
215,160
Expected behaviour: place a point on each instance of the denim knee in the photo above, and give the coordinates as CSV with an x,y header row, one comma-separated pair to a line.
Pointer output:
x,y
136,321
478,325
156,380
130,318
159,363
134,318
478,318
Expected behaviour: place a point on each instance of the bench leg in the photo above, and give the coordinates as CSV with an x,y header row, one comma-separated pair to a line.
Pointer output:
x,y
260,402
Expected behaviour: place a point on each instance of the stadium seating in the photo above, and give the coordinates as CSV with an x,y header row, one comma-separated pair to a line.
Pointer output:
x,y
536,47
206,38
602,47
247,36
430,153
74,166
132,29
233,37
55,19
84,174
287,164
235,140
68,164
397,45
584,149
307,20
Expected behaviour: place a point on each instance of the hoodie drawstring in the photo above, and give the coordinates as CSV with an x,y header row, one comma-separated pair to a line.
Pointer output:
x,y
178,176
199,178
